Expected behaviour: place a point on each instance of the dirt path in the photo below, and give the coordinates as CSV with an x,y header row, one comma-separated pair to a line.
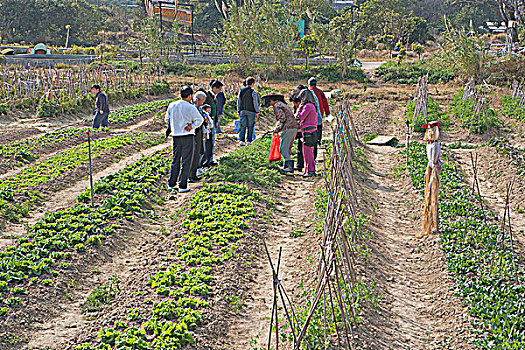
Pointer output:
x,y
418,310
295,212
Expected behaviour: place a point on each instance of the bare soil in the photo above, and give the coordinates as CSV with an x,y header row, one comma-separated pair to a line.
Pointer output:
x,y
418,309
138,250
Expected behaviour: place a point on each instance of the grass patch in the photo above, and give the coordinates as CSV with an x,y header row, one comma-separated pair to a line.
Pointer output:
x,y
102,295
247,165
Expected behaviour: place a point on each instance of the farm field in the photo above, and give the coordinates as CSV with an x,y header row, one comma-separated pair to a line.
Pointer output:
x,y
144,269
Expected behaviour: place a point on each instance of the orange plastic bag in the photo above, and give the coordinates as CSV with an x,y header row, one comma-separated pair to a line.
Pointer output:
x,y
275,154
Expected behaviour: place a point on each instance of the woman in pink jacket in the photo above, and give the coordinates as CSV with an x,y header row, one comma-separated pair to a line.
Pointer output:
x,y
307,115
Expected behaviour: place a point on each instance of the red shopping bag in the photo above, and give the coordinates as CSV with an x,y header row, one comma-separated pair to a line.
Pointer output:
x,y
275,154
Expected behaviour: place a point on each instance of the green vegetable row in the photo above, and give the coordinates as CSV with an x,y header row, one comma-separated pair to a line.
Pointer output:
x,y
126,114
479,257
53,239
215,222
18,192
26,148
513,107
248,165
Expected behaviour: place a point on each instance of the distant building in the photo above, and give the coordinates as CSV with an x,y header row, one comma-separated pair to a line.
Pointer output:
x,y
341,4
496,27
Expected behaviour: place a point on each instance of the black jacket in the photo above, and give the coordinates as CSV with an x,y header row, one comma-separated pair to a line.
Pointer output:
x,y
101,103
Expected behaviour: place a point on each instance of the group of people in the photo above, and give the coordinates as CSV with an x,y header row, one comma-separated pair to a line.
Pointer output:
x,y
304,123
193,123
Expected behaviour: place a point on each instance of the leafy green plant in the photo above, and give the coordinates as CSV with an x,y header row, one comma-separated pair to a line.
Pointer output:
x,y
408,72
129,113
512,108
434,112
464,110
478,255
247,165
215,221
236,303
18,193
102,295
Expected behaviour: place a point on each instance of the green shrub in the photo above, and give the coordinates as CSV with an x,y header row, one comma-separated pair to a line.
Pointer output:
x,y
409,72
512,108
477,123
434,112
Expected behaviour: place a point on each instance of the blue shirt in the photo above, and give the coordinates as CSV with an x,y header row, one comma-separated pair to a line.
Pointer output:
x,y
319,116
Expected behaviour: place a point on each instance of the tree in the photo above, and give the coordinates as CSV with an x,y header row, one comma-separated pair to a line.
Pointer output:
x,y
467,53
338,37
157,45
418,49
391,17
308,45
260,26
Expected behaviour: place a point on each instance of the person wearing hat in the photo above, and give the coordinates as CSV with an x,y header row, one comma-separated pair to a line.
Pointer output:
x,y
286,125
324,109
430,219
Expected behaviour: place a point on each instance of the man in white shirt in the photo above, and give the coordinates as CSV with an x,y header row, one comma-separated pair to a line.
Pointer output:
x,y
183,118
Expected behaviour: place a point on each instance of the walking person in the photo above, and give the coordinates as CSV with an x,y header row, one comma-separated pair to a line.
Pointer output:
x,y
211,100
198,149
286,125
183,118
248,109
101,108
430,217
307,115
324,110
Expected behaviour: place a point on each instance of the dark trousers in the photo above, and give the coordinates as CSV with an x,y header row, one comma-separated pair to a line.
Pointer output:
x,y
182,151
319,138
101,119
300,158
208,151
197,152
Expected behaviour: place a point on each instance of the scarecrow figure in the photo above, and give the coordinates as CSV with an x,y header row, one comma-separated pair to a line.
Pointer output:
x,y
430,220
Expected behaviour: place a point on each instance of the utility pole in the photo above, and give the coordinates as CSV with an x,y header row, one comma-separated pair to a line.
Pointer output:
x,y
192,33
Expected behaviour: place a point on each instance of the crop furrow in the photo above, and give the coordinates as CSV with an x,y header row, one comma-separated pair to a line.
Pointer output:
x,y
20,192
479,256
50,242
214,222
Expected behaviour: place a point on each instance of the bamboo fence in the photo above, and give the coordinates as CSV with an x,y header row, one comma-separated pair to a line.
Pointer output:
x,y
61,85
336,280
336,275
